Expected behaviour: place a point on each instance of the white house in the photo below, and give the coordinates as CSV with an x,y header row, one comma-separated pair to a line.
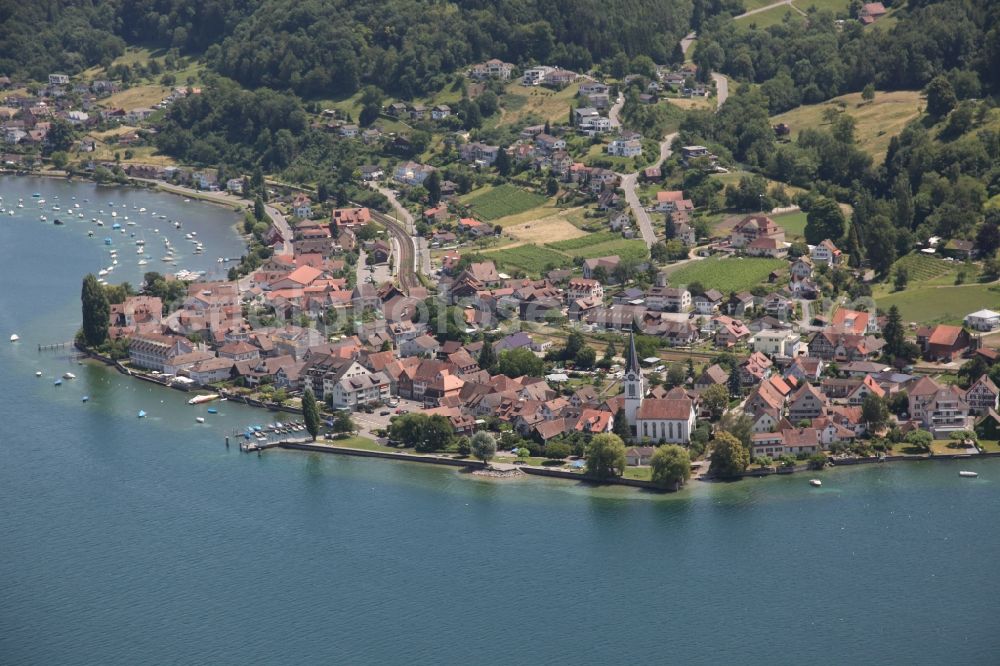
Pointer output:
x,y
983,320
622,147
775,342
535,75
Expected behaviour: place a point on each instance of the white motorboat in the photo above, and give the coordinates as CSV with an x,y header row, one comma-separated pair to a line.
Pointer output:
x,y
69,375
38,373
15,337
199,419
815,483
968,475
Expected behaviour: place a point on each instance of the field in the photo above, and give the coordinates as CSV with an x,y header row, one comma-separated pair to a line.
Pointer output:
x,y
835,6
552,228
585,241
877,121
532,259
727,274
523,103
941,304
771,17
504,201
688,103
794,224
922,268
137,98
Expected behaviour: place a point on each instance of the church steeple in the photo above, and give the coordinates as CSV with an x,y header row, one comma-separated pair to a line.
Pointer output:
x,y
634,387
633,360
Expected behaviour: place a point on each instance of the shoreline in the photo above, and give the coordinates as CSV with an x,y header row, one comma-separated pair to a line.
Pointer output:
x,y
239,204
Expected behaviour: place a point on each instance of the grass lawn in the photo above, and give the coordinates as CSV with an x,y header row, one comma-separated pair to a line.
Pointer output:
x,y
990,445
521,103
531,259
932,305
727,274
504,201
638,473
877,121
358,442
624,247
771,17
688,103
138,97
585,241
793,223
835,6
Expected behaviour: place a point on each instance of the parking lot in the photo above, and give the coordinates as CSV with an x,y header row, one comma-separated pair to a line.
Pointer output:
x,y
379,418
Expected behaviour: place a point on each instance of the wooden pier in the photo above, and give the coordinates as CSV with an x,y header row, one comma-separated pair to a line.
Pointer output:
x,y
55,345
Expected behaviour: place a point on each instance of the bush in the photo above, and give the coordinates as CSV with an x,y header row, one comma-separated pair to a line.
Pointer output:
x,y
557,450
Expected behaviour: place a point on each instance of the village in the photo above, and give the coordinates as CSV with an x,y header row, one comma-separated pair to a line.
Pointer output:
x,y
572,279
805,385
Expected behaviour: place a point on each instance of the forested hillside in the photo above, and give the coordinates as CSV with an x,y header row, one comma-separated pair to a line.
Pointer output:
x,y
332,47
804,61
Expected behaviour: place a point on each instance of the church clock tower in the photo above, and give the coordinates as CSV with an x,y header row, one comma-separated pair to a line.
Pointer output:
x,y
634,388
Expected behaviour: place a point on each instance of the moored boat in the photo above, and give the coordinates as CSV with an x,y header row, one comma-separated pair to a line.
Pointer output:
x,y
207,397
815,483
968,475
15,337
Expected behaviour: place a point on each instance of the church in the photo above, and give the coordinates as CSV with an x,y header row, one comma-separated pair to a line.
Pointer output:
x,y
658,420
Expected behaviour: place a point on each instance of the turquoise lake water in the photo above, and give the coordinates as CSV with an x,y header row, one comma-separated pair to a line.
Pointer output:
x,y
128,541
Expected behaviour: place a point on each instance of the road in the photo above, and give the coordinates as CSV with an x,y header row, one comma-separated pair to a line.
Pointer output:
x,y
630,181
769,7
280,223
615,111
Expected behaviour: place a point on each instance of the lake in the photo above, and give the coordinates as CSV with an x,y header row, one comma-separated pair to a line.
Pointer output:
x,y
126,540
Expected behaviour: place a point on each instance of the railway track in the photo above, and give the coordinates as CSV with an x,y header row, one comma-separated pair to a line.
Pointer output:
x,y
407,275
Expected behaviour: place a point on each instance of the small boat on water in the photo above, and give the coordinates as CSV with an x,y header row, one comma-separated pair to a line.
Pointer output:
x,y
57,221
142,262
968,475
69,375
85,398
816,483
141,414
38,373
199,419
212,410
15,337
207,397
57,382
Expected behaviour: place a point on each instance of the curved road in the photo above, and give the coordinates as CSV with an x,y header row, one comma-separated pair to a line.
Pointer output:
x,y
630,181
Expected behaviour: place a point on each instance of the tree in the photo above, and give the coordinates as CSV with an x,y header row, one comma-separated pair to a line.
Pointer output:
x,y
310,412
940,97
671,466
96,312
676,374
919,439
483,446
422,431
868,92
551,186
487,356
342,421
621,427
557,450
605,456
610,351
824,221
893,333
59,159
729,456
715,399
733,383
502,162
433,186
585,358
520,362
902,278
988,238
259,212
875,412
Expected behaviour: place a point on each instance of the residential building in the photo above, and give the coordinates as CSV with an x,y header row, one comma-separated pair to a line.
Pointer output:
x,y
983,320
